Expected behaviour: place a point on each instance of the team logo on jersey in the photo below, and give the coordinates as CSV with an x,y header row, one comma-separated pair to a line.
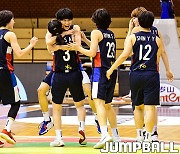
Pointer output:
x,y
142,66
67,68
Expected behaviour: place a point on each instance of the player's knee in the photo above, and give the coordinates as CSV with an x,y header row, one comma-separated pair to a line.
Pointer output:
x,y
41,91
79,104
108,106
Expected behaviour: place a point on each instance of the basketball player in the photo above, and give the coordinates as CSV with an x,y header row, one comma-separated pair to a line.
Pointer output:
x,y
133,28
8,84
47,124
103,51
67,74
144,75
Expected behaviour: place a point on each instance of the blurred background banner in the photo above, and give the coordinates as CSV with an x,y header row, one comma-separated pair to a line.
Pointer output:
x,y
30,75
170,92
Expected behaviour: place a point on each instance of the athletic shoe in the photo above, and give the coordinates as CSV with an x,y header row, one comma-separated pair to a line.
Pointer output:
x,y
1,144
98,126
82,139
116,139
102,142
7,136
57,143
45,126
154,137
140,139
148,138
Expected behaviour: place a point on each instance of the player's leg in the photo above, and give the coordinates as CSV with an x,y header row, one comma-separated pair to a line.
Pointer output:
x,y
151,99
139,121
155,132
109,109
102,118
59,87
77,93
57,112
81,113
149,121
137,96
113,122
9,95
87,90
47,123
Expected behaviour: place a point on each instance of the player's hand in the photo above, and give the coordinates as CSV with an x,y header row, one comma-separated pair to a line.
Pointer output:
x,y
131,24
69,32
83,36
33,41
170,76
108,73
74,46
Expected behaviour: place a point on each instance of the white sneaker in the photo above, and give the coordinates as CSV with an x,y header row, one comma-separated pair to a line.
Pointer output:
x,y
140,139
57,143
154,137
116,139
148,137
102,142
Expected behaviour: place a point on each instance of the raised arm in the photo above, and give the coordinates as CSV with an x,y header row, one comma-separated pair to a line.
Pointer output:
x,y
96,37
84,39
12,39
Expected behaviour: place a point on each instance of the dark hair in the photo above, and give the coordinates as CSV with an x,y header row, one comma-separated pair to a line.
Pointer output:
x,y
64,13
55,28
5,17
101,18
146,19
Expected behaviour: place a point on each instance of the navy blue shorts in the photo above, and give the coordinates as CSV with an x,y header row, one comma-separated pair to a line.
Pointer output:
x,y
103,88
48,77
145,87
62,81
9,93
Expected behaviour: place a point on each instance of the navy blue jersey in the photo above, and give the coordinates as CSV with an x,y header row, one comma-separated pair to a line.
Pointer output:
x,y
6,52
66,61
154,30
144,52
106,53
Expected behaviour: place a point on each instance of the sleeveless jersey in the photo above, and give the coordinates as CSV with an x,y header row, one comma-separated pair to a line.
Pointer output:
x,y
154,30
106,53
145,52
66,61
6,52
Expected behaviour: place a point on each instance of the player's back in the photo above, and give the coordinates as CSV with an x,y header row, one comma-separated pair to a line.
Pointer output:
x,y
145,51
6,57
106,53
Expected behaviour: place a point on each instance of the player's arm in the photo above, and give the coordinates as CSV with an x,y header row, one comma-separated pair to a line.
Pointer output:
x,y
96,36
125,54
77,34
162,53
12,39
50,42
85,39
131,26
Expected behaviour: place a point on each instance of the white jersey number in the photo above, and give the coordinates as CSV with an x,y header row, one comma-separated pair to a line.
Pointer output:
x,y
66,57
111,50
147,53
